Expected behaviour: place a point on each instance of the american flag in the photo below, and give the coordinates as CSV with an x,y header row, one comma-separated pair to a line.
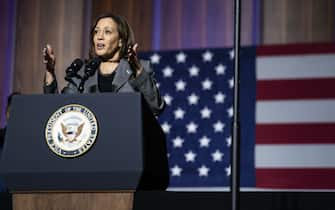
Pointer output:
x,y
287,115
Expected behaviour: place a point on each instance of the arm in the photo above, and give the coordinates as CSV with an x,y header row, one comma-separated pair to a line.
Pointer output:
x,y
49,59
50,85
50,88
145,83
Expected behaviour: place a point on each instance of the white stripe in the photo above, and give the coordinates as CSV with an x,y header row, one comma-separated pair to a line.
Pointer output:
x,y
295,67
295,156
295,111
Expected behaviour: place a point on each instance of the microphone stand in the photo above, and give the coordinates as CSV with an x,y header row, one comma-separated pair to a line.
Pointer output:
x,y
70,80
235,169
72,72
82,83
90,69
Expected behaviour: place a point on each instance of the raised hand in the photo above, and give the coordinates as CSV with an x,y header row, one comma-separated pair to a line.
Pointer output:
x,y
133,60
49,58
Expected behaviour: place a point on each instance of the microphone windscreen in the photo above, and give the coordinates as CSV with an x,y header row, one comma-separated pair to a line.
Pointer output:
x,y
92,66
77,64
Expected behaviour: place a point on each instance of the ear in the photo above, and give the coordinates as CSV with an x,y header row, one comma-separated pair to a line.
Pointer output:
x,y
120,43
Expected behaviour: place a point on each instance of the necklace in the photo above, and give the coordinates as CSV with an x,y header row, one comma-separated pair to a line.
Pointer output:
x,y
113,61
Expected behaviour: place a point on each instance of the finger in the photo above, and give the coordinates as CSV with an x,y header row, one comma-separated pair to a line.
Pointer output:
x,y
49,49
131,54
129,50
135,47
45,51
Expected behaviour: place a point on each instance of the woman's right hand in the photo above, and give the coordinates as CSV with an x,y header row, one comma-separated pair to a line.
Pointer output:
x,y
49,58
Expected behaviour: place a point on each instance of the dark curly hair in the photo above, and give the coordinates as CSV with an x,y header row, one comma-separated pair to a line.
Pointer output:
x,y
125,32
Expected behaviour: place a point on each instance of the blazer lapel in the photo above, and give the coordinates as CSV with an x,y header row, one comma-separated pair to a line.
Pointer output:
x,y
123,72
91,85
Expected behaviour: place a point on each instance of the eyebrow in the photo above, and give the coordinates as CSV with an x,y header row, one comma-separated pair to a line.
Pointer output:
x,y
107,27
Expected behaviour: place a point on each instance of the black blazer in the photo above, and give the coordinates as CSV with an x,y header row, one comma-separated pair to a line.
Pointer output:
x,y
124,81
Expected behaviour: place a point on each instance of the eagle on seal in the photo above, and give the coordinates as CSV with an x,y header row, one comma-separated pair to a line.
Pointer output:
x,y
71,133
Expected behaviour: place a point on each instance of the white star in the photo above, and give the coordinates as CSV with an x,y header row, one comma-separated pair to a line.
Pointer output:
x,y
193,99
204,141
158,84
194,71
181,57
203,170
206,84
168,99
231,54
176,170
205,113
155,58
220,69
217,156
180,85
177,142
179,113
218,126
207,56
228,141
167,71
166,127
190,156
191,127
230,112
231,82
219,98
228,171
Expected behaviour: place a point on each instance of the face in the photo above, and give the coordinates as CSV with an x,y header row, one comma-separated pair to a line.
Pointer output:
x,y
106,39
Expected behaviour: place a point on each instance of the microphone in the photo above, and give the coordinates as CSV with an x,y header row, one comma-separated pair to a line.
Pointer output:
x,y
72,71
90,69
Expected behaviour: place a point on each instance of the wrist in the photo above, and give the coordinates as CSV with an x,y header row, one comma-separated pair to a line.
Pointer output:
x,y
49,78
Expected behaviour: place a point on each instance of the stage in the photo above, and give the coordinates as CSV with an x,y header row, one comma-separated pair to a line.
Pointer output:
x,y
221,200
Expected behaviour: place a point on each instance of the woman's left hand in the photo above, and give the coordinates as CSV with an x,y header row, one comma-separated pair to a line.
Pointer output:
x,y
133,60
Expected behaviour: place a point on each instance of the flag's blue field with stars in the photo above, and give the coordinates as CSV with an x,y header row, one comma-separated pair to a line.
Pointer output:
x,y
197,86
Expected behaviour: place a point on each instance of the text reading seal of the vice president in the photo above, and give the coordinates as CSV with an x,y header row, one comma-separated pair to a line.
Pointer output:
x,y
71,131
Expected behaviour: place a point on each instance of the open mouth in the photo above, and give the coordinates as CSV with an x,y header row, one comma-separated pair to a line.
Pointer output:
x,y
100,46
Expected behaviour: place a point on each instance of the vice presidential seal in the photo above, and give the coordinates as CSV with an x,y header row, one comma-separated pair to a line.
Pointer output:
x,y
71,130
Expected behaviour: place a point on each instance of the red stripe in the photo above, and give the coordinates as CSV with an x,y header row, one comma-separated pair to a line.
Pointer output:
x,y
295,133
293,49
296,89
296,178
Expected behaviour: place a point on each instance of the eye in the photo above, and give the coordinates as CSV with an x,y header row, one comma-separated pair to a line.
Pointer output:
x,y
108,32
95,31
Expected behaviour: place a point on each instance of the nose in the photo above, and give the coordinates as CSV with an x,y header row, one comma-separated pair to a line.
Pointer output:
x,y
100,35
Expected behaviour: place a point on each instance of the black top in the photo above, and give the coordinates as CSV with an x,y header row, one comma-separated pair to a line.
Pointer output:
x,y
105,82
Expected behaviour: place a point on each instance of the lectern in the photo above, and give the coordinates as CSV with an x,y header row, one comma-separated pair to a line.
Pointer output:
x,y
49,162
